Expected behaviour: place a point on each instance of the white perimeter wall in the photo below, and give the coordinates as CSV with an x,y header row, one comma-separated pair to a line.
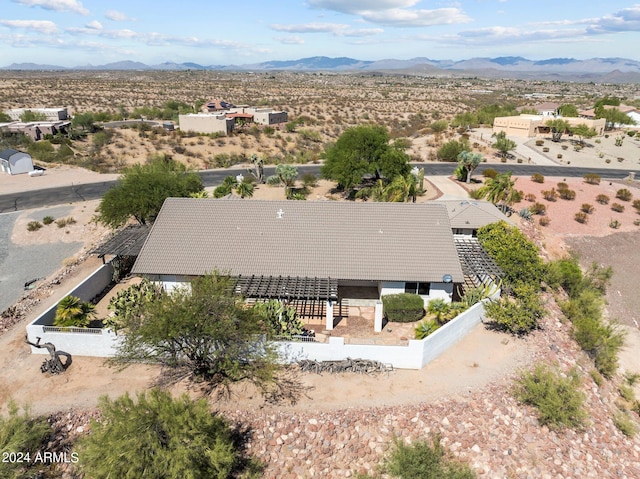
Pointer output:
x,y
415,355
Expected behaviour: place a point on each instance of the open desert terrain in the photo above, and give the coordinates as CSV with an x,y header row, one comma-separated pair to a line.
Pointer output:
x,y
344,424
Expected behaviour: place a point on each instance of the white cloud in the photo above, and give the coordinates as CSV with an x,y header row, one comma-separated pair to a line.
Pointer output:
x,y
395,13
40,26
416,18
94,25
357,6
290,40
57,5
310,27
117,16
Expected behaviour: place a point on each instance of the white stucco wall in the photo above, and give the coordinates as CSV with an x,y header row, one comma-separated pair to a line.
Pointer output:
x,y
437,290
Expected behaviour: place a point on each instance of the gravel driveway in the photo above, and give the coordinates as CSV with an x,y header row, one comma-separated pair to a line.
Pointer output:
x,y
19,264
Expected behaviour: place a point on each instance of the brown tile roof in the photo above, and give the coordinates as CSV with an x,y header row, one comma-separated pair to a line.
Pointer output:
x,y
342,240
473,213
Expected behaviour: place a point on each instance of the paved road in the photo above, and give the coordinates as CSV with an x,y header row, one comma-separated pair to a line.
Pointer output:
x,y
91,191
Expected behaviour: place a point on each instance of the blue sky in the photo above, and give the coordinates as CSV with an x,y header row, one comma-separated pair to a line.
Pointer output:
x,y
79,32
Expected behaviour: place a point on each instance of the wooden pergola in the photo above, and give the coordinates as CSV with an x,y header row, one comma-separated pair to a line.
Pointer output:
x,y
477,265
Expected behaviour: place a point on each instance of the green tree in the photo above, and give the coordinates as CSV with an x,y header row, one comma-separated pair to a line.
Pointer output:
x,y
558,128
583,131
363,150
503,144
28,116
469,162
568,110
142,189
499,190
439,126
20,433
72,311
42,150
205,333
614,116
451,149
518,257
159,437
86,121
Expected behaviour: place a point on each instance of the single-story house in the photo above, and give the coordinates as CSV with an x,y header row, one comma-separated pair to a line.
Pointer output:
x,y
15,162
530,126
467,216
50,114
306,250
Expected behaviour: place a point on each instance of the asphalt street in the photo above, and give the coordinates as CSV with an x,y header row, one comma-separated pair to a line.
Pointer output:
x,y
91,191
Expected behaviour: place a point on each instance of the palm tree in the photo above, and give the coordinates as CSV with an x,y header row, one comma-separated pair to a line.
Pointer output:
x,y
500,190
244,189
401,189
72,311
375,192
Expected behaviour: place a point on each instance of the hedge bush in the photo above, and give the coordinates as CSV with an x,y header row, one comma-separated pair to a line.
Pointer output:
x,y
403,307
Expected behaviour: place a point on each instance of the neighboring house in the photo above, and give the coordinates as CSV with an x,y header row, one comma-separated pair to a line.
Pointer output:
x,y
321,251
206,123
547,108
37,130
530,126
51,114
467,216
15,162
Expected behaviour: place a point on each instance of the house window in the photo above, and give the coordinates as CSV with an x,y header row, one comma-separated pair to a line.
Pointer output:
x,y
417,288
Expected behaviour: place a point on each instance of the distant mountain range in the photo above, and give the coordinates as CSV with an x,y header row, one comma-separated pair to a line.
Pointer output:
x,y
614,70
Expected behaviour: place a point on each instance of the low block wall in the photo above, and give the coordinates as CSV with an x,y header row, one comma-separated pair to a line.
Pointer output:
x,y
416,355
81,342
103,342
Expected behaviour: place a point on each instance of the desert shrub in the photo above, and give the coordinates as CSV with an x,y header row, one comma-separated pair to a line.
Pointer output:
x,y
602,199
530,197
636,205
538,209
539,142
565,273
47,220
624,194
615,224
403,307
544,221
545,149
425,460
61,223
518,314
489,173
587,208
20,433
525,213
537,178
617,207
567,194
34,225
282,320
581,217
559,156
557,398
477,194
182,436
425,328
550,195
562,185
597,377
309,180
625,424
592,178
129,303
601,340
513,252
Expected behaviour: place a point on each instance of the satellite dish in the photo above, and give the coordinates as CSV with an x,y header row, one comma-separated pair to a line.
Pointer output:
x,y
447,278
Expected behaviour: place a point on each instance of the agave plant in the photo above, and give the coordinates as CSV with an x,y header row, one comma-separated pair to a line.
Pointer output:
x,y
425,328
72,311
